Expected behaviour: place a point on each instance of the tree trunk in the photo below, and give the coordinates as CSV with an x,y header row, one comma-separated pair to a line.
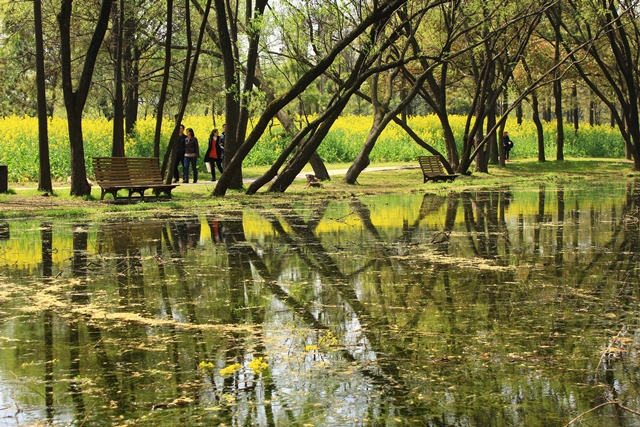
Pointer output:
x,y
494,156
449,140
44,177
557,94
301,157
187,81
576,111
362,160
117,147
536,120
131,59
316,162
482,160
319,168
234,165
232,175
75,100
163,92
79,183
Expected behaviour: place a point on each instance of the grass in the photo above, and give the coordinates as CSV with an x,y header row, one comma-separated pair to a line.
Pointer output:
x,y
24,200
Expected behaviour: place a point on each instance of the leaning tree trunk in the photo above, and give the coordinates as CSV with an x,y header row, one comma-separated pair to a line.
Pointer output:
x,y
304,153
362,160
316,162
494,151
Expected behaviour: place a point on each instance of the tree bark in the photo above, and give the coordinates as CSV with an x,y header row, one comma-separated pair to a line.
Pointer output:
x,y
131,59
163,90
575,111
44,177
362,159
557,94
75,100
117,147
538,123
494,151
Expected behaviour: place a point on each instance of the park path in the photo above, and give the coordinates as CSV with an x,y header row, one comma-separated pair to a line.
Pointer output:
x,y
333,172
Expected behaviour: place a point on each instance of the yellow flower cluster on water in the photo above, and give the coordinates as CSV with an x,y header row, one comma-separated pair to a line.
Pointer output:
x,y
230,370
206,366
328,340
257,365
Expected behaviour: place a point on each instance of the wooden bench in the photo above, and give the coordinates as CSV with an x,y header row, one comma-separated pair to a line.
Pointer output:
x,y
136,174
433,171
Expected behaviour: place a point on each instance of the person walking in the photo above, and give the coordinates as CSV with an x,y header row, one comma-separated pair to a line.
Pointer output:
x,y
507,145
191,154
179,153
213,154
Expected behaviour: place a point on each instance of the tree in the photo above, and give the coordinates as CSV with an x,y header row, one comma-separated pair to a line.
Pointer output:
x,y
117,149
609,34
554,15
75,100
232,166
165,80
492,67
191,65
44,179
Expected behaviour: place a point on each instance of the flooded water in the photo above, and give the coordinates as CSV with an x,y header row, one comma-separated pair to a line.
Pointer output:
x,y
517,307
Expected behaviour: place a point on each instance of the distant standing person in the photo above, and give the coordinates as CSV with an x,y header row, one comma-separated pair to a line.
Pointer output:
x,y
214,154
179,153
191,154
221,142
507,145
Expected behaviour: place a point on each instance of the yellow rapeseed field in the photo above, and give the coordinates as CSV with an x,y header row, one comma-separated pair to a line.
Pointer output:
x,y
19,141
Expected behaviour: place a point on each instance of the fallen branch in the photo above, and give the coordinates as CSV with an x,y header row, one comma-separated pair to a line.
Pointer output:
x,y
613,402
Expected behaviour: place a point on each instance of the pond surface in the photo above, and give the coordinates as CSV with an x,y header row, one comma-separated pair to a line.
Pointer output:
x,y
517,307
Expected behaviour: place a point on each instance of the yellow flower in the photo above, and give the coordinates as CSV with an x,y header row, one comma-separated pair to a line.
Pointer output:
x,y
230,370
257,365
204,366
310,347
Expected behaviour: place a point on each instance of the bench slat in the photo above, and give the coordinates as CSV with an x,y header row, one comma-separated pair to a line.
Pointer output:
x,y
432,169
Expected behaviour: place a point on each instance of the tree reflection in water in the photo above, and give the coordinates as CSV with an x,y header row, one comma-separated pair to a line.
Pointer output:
x,y
504,307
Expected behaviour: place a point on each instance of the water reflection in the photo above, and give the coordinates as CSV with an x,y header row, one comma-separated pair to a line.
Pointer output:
x,y
504,307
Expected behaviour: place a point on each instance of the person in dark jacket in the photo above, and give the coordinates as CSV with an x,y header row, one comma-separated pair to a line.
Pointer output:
x,y
213,156
179,153
221,141
507,145
191,154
